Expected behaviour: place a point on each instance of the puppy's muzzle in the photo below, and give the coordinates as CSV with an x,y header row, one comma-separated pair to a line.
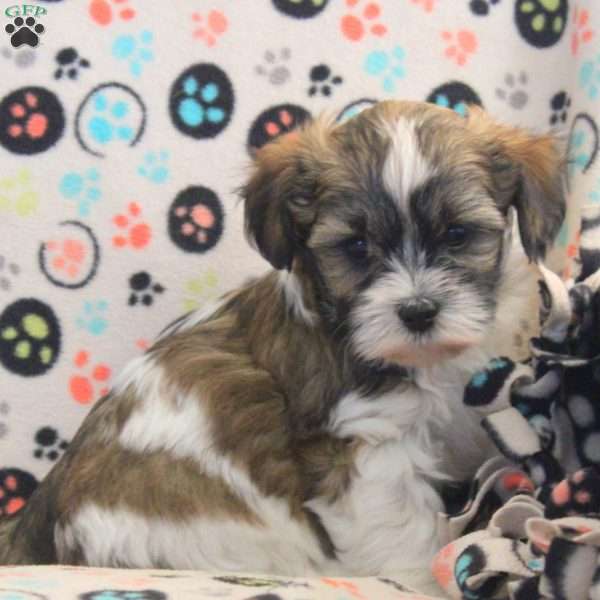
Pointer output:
x,y
418,314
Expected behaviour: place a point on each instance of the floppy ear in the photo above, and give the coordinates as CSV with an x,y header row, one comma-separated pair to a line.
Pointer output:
x,y
528,171
280,194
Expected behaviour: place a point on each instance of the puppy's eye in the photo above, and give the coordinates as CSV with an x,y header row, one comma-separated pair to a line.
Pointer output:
x,y
356,248
456,236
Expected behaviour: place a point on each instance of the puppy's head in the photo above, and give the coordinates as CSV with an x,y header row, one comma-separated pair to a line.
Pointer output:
x,y
397,219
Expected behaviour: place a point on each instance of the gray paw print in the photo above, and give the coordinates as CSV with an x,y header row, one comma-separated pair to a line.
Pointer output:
x,y
7,271
22,58
274,68
4,410
514,93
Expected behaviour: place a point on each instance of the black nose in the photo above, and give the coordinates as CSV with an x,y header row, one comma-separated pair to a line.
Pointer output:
x,y
418,314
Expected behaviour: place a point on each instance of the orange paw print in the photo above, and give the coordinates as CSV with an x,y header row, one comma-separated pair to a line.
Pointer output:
x,y
83,387
461,45
443,566
211,28
356,27
427,5
105,11
582,34
137,235
67,256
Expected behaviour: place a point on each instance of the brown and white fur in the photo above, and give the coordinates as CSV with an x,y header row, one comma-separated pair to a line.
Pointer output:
x,y
300,426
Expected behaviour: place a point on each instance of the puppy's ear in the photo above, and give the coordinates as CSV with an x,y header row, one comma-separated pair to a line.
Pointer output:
x,y
280,194
528,172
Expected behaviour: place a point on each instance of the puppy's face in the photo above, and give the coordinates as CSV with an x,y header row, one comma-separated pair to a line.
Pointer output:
x,y
398,220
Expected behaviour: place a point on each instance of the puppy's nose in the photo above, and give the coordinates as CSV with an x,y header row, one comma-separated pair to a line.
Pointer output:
x,y
418,314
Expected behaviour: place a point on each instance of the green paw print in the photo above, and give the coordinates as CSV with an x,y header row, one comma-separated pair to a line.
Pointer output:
x,y
200,290
29,337
16,194
541,22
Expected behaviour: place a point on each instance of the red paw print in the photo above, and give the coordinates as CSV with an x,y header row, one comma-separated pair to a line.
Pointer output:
x,y
28,121
66,256
582,34
105,11
427,5
88,388
211,28
356,27
461,45
137,235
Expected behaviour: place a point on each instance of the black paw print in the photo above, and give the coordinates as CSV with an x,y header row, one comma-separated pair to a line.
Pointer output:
x,y
559,104
143,289
322,80
69,63
24,31
482,7
579,494
50,445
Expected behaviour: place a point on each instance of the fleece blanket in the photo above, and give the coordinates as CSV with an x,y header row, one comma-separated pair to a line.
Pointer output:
x,y
126,126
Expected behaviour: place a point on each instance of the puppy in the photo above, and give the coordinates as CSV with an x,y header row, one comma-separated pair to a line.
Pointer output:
x,y
307,422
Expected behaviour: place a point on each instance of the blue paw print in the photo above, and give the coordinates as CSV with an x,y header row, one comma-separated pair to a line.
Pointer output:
x,y
589,77
101,126
136,51
83,188
191,111
443,101
579,156
155,166
93,317
389,66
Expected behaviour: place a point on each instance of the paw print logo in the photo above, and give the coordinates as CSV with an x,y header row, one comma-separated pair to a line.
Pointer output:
x,y
143,289
32,120
273,67
24,32
49,444
514,93
322,81
154,166
88,387
559,107
83,188
105,12
460,45
388,66
135,234
355,27
93,317
201,101
16,487
8,271
200,290
210,28
136,51
17,194
589,77
274,122
30,337
196,219
541,23
482,8
582,33
69,63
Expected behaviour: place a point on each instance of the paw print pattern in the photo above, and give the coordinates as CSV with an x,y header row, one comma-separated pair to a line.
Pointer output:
x,y
559,107
589,77
274,122
49,444
455,95
201,101
482,7
196,219
356,27
93,317
8,271
274,68
17,194
388,66
16,487
426,5
579,494
136,235
69,63
582,33
123,595
136,51
514,93
460,45
200,290
143,289
83,188
541,23
4,412
24,32
87,388
104,12
22,58
322,80
300,9
210,28
32,120
30,337
154,166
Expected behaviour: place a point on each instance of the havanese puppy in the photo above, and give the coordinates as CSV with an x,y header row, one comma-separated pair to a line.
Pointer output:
x,y
308,422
